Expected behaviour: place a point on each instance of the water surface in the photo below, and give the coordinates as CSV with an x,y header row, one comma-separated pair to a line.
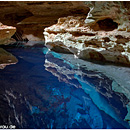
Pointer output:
x,y
44,91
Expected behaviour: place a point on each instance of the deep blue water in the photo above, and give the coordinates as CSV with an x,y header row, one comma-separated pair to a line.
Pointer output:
x,y
44,91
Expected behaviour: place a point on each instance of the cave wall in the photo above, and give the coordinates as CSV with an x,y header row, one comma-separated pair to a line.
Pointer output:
x,y
91,30
31,17
102,35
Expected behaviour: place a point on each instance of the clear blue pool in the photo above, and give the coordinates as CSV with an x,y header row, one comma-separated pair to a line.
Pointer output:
x,y
44,91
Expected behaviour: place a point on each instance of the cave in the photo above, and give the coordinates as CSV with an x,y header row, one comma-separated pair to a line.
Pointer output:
x,y
107,24
59,72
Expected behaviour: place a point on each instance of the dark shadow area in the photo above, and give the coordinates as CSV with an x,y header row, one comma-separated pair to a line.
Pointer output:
x,y
107,24
18,36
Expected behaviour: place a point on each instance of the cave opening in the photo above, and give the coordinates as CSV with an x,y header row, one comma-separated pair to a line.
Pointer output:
x,y
107,24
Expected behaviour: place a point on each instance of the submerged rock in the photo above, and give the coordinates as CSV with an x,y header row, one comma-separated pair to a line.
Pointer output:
x,y
119,75
97,37
95,84
127,118
44,102
6,58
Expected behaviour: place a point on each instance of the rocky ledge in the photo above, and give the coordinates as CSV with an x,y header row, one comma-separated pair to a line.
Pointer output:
x,y
102,36
5,33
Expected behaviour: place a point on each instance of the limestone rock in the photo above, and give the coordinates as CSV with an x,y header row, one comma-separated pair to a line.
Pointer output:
x,y
115,10
5,33
100,39
37,25
54,8
11,13
31,17
6,58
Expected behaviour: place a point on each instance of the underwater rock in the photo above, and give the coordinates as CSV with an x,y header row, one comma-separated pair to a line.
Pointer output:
x,y
6,58
127,118
5,33
115,73
100,39
44,102
97,88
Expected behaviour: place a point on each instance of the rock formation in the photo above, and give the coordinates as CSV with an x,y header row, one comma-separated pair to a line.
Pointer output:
x,y
5,33
102,10
31,17
90,30
103,35
6,58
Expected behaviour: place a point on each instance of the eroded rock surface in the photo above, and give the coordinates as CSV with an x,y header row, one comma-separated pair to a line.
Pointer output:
x,y
31,17
103,10
98,36
5,33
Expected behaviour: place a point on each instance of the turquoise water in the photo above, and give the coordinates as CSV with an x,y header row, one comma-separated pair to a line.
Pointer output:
x,y
45,91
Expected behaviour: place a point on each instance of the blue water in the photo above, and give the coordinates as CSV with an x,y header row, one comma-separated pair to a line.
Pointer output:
x,y
44,91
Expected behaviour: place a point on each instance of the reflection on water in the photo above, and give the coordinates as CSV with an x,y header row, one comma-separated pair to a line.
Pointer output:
x,y
44,91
